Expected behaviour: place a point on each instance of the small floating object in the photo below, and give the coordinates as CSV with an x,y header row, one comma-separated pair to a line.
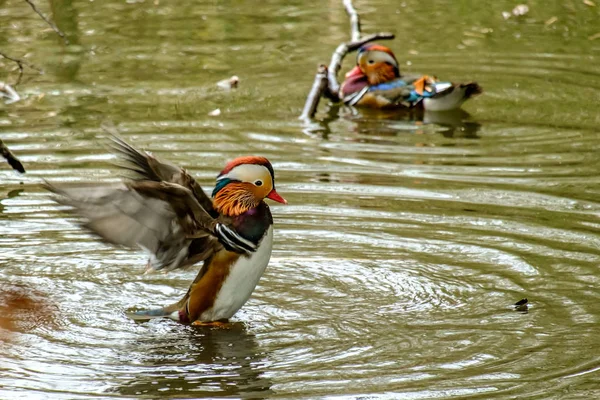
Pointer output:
x,y
550,21
521,305
519,11
230,83
215,113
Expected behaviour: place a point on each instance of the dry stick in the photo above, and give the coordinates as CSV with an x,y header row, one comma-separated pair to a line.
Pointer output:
x,y
54,27
10,157
20,63
354,21
319,85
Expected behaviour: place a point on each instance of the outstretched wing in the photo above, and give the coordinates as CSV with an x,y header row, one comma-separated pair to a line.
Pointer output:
x,y
163,218
147,167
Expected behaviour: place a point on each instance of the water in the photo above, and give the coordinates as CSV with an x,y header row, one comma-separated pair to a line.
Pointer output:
x,y
406,240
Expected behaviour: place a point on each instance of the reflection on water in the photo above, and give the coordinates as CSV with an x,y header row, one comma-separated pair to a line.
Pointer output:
x,y
408,239
450,124
195,362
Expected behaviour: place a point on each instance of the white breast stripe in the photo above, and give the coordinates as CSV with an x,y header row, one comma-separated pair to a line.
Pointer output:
x,y
354,98
233,240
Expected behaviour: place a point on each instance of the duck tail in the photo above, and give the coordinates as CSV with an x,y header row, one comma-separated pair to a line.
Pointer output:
x,y
147,315
471,89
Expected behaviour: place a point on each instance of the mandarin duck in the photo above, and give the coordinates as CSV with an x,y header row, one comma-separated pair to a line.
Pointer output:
x,y
165,211
376,82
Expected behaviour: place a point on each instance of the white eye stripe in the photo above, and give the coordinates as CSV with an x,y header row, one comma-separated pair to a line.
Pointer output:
x,y
248,173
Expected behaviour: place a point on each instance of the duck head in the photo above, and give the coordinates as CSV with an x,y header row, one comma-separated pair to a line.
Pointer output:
x,y
243,184
377,63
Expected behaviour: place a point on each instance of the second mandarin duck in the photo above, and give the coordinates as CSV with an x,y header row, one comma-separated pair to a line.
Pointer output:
x,y
165,211
376,82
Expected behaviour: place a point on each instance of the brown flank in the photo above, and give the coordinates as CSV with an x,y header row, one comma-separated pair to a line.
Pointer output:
x,y
204,292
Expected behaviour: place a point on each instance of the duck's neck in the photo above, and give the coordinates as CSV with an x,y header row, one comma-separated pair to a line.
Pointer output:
x,y
354,84
232,201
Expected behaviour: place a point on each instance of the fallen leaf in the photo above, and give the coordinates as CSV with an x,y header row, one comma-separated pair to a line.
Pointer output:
x,y
589,3
550,21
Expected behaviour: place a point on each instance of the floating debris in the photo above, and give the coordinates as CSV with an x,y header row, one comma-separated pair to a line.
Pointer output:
x,y
521,305
594,36
550,21
589,3
519,11
215,113
8,93
230,83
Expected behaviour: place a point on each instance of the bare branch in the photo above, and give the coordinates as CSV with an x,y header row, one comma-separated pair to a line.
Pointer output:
x,y
354,21
319,85
330,87
50,23
21,64
10,157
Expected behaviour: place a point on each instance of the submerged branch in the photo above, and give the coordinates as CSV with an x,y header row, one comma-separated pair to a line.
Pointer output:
x,y
50,23
13,161
319,85
21,64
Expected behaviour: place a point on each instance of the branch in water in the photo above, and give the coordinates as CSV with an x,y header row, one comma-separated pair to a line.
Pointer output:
x,y
10,157
354,21
330,87
319,85
21,64
50,23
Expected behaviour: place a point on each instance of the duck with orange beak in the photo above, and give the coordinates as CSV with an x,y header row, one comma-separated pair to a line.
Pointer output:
x,y
165,211
376,82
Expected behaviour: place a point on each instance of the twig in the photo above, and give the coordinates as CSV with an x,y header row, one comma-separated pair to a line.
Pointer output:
x,y
21,64
354,21
312,101
10,157
330,87
50,23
